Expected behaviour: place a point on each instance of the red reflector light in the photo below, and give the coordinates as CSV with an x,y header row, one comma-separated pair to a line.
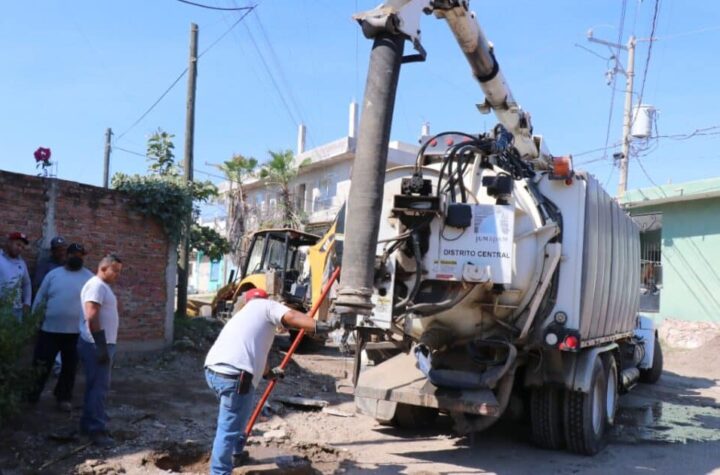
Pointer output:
x,y
570,342
433,143
449,141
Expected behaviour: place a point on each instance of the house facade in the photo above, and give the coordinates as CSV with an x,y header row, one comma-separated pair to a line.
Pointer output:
x,y
680,248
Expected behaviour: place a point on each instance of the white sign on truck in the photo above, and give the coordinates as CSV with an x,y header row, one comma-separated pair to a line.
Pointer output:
x,y
479,253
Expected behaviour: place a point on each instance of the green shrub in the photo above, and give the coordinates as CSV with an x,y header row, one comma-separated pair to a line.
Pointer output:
x,y
15,338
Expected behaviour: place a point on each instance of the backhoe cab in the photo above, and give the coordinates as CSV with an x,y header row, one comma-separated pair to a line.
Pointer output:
x,y
275,262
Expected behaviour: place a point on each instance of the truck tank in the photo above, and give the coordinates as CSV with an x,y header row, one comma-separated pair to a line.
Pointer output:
x,y
512,257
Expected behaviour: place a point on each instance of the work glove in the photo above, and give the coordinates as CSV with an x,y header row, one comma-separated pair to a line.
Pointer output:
x,y
323,328
275,373
101,347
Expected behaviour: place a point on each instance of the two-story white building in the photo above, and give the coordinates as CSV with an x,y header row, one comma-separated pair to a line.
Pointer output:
x,y
323,184
318,191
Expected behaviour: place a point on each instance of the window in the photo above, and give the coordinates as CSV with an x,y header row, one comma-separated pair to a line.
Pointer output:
x,y
326,190
276,254
254,261
300,197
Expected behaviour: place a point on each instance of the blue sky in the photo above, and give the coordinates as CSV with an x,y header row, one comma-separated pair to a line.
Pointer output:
x,y
72,69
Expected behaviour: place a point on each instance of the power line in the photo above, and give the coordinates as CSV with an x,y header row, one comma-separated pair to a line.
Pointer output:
x,y
594,53
649,53
688,33
131,152
272,77
209,7
149,109
621,30
182,74
227,32
195,170
647,175
599,149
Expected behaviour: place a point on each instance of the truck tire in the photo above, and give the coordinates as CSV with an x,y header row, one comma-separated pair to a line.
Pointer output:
x,y
546,417
611,388
585,418
408,416
652,374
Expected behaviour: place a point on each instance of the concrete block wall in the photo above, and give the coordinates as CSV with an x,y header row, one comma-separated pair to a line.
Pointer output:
x,y
102,221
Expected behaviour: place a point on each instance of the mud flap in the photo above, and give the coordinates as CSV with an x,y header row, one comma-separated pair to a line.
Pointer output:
x,y
399,380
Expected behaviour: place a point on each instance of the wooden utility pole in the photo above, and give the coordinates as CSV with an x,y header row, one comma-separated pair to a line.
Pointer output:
x,y
629,72
183,266
106,162
627,121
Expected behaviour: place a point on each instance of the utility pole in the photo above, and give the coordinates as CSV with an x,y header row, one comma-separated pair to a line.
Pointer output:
x,y
106,161
188,170
629,72
629,76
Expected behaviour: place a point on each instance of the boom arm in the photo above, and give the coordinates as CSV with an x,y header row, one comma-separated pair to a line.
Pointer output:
x,y
404,16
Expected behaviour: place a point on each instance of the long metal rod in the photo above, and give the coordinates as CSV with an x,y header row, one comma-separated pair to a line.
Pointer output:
x,y
289,354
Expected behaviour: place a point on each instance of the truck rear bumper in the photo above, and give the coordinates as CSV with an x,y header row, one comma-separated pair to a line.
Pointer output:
x,y
397,380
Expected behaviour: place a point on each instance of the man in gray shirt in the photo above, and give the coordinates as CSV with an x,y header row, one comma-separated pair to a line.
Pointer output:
x,y
14,277
45,264
60,294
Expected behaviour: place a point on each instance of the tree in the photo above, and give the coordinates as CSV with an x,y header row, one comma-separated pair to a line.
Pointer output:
x,y
160,154
279,171
237,170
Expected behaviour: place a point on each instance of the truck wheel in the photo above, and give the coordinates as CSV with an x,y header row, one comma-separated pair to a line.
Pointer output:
x,y
408,416
546,417
585,416
611,388
652,374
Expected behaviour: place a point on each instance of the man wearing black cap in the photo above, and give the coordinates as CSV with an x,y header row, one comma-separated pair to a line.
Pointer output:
x,y
60,293
14,277
48,263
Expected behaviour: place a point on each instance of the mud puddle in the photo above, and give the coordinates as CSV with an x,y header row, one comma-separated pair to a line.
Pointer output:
x,y
641,420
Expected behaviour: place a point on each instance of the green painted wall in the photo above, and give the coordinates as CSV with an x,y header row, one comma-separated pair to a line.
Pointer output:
x,y
690,259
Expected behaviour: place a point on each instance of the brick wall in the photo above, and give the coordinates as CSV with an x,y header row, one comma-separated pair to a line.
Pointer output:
x,y
101,220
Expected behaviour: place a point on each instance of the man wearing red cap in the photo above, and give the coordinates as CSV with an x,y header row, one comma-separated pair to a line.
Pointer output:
x,y
14,276
233,366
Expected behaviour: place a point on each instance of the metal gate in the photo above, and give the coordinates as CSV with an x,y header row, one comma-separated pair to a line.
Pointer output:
x,y
651,275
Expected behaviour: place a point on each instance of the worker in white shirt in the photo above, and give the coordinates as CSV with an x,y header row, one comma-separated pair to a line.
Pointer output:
x,y
235,363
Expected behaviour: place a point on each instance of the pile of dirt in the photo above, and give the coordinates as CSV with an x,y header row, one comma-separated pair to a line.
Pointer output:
x,y
681,334
696,362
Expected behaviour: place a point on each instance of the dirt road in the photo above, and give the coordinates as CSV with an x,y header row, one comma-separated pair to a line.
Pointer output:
x,y
163,419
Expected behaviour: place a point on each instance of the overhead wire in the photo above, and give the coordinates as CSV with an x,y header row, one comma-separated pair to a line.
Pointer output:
x,y
633,117
621,30
202,172
182,74
210,7
652,40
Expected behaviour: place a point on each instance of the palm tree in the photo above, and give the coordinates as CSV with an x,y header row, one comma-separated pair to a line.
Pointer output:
x,y
237,170
279,171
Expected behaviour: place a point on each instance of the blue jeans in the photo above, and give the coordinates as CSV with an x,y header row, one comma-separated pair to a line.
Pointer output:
x,y
97,383
233,415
